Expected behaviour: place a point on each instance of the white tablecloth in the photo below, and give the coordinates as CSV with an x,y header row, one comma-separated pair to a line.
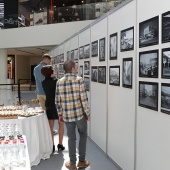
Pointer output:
x,y
37,131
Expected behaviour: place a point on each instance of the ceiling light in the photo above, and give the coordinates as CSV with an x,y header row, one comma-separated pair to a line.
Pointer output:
x,y
82,1
63,4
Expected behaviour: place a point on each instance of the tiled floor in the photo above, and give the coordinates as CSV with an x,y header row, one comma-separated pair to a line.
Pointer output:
x,y
96,157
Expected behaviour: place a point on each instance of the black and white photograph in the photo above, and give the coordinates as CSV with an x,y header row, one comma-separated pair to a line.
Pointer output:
x,y
148,95
61,58
166,63
113,46
149,32
86,67
72,55
102,49
76,54
114,75
127,73
87,83
81,52
60,69
127,39
148,64
166,27
102,74
87,51
81,71
94,75
94,48
165,98
68,55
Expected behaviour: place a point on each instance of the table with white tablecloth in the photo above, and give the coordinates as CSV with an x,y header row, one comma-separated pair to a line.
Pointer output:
x,y
37,131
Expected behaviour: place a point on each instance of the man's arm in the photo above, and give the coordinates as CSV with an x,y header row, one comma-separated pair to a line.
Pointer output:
x,y
58,100
84,99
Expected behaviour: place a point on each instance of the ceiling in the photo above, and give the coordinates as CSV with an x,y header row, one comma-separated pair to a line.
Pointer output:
x,y
30,51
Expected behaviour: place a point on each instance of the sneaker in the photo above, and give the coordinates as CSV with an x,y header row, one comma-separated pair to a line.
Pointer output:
x,y
84,164
70,166
55,132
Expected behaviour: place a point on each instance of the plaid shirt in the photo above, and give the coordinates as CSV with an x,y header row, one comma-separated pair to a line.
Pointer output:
x,y
71,98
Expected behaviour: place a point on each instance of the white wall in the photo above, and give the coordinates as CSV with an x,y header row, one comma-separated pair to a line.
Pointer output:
x,y
153,151
121,101
43,35
99,90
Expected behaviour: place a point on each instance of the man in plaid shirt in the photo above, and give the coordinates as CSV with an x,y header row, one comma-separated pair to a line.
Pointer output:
x,y
73,109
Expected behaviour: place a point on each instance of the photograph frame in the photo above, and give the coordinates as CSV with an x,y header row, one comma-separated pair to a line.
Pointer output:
x,y
94,78
100,76
124,70
87,51
165,98
148,33
81,71
94,54
143,93
153,72
72,55
165,40
76,54
87,87
102,49
122,42
81,52
87,71
163,64
112,83
113,47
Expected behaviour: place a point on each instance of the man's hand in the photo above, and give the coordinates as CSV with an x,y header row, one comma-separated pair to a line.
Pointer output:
x,y
88,118
61,119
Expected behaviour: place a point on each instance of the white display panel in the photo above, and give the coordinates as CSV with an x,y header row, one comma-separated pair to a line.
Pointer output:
x,y
121,101
153,151
99,90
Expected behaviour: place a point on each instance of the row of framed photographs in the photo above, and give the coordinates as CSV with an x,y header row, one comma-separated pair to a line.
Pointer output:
x,y
149,63
58,59
98,73
148,96
149,30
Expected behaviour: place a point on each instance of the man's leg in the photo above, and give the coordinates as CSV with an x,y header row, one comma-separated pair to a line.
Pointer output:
x,y
82,129
41,99
71,128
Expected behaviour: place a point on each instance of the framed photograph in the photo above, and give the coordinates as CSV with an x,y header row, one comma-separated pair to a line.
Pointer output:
x,y
81,52
72,55
68,55
87,51
165,98
76,54
148,95
127,39
94,75
102,49
113,46
81,71
148,64
102,74
149,32
86,67
94,48
166,63
127,72
114,75
62,58
166,27
87,83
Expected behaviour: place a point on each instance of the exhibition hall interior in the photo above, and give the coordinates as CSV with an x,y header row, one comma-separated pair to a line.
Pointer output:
x,y
122,51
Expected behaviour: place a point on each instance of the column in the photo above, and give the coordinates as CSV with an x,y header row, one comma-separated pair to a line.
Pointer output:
x,y
3,67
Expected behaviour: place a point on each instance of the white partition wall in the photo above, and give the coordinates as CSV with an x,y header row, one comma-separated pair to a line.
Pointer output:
x,y
99,90
153,138
121,100
84,41
126,118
